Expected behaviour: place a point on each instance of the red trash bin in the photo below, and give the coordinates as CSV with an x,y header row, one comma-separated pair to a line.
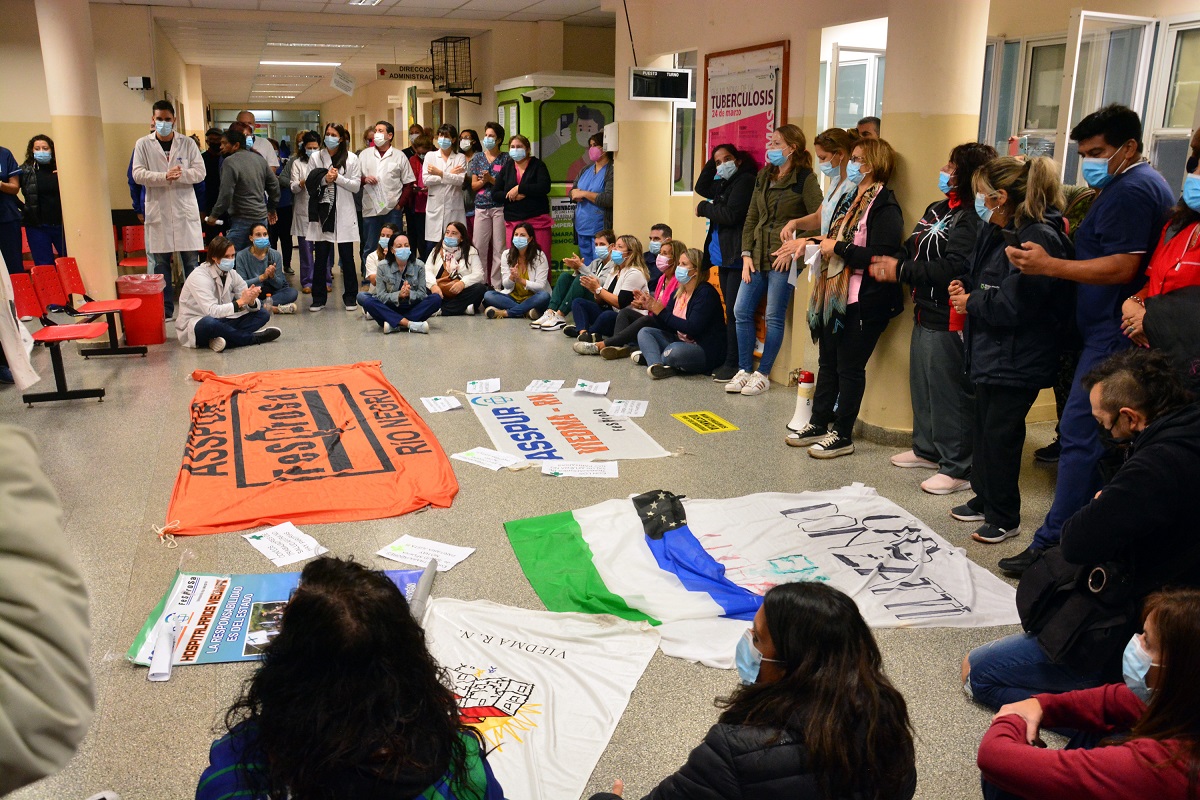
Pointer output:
x,y
145,324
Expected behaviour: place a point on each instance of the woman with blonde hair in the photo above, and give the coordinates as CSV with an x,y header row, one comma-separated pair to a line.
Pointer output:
x,y
688,334
595,317
785,189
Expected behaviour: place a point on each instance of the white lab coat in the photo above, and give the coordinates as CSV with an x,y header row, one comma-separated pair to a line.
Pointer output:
x,y
264,149
208,292
172,214
393,173
445,193
297,171
348,181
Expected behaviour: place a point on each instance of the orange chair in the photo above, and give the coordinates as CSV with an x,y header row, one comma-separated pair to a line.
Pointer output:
x,y
133,240
29,304
26,253
71,283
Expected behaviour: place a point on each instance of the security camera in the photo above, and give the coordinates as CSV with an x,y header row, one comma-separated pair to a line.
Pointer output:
x,y
541,93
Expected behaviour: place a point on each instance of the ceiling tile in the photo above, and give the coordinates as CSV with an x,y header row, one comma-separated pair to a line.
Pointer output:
x,y
524,16
563,7
499,5
466,13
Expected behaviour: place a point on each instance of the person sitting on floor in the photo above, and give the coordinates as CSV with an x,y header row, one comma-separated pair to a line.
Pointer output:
x,y
348,702
217,309
690,335
399,299
1146,728
633,317
595,314
526,278
568,289
261,266
371,265
815,717
1140,529
455,273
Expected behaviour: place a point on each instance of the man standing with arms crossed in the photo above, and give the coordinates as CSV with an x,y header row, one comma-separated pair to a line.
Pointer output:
x,y
387,180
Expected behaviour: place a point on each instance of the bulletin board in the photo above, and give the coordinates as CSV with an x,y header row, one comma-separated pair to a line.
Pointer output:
x,y
745,96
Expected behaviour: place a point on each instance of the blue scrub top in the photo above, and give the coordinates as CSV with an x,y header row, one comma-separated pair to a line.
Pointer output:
x,y
589,217
10,210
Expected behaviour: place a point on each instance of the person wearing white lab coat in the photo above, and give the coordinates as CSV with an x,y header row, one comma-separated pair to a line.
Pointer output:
x,y
307,146
444,171
217,309
341,170
388,180
169,165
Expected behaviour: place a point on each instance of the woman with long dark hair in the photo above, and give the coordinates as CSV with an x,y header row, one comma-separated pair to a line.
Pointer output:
x,y
334,178
523,186
455,272
348,702
526,283
43,202
1156,704
815,718
307,145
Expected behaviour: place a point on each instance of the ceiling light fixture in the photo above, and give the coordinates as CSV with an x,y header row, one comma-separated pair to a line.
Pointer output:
x,y
313,44
300,63
364,2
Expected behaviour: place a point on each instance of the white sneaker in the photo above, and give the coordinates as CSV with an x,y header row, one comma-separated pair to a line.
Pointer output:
x,y
352,308
387,327
286,308
418,327
470,312
315,309
216,344
637,358
554,323
544,318
757,383
739,382
910,460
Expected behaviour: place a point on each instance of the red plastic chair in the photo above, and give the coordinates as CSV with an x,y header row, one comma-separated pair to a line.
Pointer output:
x,y
72,284
133,240
29,304
26,253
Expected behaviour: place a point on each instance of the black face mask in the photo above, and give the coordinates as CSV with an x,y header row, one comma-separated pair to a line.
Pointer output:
x,y
1111,442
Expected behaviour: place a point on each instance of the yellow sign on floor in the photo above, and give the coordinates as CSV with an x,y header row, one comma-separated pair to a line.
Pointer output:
x,y
705,422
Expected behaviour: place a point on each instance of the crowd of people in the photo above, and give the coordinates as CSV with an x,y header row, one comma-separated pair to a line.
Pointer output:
x,y
1008,297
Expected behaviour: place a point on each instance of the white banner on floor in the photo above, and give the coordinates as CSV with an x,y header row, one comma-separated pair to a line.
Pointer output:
x,y
546,690
571,426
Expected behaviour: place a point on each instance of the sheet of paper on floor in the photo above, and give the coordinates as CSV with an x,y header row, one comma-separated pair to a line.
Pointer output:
x,y
575,469
417,551
485,386
284,544
542,385
486,457
598,387
630,408
435,405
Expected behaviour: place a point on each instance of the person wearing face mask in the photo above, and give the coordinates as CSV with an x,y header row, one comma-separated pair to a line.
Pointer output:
x,y
444,171
523,187
939,251
1138,737
785,189
595,315
470,146
569,287
379,254
1112,245
249,189
524,293
333,180
399,299
689,331
593,196
660,234
488,233
455,273
418,202
387,179
43,203
261,265
1013,326
217,309
727,181
307,145
815,716
1136,536
258,144
635,316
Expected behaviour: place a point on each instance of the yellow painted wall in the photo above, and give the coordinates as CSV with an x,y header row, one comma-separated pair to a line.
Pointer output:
x,y
1018,18
587,49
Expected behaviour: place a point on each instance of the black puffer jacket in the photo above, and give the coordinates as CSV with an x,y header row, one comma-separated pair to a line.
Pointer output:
x,y
39,185
1015,321
742,762
726,207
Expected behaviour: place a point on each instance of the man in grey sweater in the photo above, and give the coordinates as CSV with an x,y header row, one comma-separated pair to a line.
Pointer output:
x,y
245,180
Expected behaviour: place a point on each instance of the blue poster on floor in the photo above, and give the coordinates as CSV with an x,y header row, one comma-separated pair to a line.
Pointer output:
x,y
216,619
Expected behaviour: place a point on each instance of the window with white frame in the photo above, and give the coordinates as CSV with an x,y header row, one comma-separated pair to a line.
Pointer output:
x,y
683,132
1174,97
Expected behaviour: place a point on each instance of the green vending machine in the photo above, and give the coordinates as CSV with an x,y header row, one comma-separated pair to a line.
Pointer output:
x,y
557,112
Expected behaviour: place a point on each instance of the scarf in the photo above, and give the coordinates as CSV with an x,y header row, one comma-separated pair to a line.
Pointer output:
x,y
831,289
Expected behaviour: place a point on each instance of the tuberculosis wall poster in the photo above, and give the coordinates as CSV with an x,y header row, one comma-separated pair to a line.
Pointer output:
x,y
745,97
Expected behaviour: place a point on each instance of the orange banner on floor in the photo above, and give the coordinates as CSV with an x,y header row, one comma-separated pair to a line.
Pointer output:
x,y
331,444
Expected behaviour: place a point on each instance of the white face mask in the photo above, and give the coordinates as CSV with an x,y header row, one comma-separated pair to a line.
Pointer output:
x,y
380,139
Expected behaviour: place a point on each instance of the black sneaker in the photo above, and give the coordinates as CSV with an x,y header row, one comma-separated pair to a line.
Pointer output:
x,y
994,534
809,434
613,353
1048,454
725,373
832,446
571,330
659,371
1016,565
267,335
585,337
965,513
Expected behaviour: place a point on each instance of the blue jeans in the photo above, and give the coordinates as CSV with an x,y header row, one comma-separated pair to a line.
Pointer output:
x,y
160,264
1016,668
284,296
239,231
538,301
587,248
236,331
591,317
663,347
371,227
46,242
383,312
1078,478
778,291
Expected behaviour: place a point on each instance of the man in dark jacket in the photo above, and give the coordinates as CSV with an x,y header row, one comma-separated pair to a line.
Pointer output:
x,y
1141,529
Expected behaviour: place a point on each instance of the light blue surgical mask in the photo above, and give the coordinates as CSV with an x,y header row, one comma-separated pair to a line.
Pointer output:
x,y
450,241
444,143
330,141
516,153
1095,171
403,253
262,243
655,246
601,251
1135,664
854,172
312,152
226,264
618,257
945,182
249,141
828,169
776,157
726,170
982,210
163,127
748,659
682,275
1191,191
520,242
489,142
44,156
383,242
